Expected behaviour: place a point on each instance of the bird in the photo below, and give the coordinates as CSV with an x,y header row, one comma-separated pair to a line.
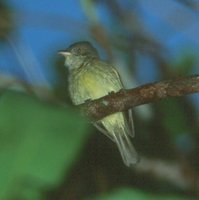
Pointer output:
x,y
91,78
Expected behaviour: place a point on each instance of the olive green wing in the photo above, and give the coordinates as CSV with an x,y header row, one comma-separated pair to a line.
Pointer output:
x,y
116,83
110,75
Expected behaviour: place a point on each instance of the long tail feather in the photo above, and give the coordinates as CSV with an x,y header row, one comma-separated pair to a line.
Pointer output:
x,y
127,151
117,127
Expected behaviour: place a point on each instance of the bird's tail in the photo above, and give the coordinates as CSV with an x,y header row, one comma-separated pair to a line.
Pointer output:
x,y
126,148
119,130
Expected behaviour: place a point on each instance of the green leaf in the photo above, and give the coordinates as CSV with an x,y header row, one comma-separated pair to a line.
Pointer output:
x,y
38,144
185,62
174,118
130,194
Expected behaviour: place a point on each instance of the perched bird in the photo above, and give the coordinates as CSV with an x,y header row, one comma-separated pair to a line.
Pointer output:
x,y
91,78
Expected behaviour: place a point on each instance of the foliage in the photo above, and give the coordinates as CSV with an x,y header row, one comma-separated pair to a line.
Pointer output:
x,y
38,145
129,194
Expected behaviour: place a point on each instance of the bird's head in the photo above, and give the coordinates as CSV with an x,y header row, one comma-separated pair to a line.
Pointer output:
x,y
77,53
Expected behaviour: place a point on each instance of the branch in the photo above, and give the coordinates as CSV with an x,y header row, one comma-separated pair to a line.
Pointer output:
x,y
178,173
149,93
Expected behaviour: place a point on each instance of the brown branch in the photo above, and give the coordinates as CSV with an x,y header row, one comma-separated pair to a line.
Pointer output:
x,y
149,93
178,173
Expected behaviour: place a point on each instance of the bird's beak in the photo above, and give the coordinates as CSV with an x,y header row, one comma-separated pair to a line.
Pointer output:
x,y
64,53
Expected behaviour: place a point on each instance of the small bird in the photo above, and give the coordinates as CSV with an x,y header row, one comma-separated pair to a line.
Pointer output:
x,y
91,78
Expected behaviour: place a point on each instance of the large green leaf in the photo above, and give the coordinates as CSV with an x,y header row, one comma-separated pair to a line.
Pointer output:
x,y
130,194
38,144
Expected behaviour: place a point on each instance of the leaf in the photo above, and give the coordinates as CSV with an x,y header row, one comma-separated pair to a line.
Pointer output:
x,y
38,144
174,118
185,63
129,194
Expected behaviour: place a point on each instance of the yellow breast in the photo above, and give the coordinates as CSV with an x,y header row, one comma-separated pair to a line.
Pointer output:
x,y
94,85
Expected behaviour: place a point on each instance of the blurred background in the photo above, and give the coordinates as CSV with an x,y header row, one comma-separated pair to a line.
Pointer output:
x,y
49,151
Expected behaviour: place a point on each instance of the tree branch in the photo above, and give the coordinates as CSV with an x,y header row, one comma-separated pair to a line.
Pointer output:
x,y
178,173
149,93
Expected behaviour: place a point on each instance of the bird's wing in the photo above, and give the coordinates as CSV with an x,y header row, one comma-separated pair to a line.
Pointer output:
x,y
115,81
110,75
102,129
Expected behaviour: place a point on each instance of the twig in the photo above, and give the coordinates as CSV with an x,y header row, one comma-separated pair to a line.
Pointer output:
x,y
176,173
149,93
